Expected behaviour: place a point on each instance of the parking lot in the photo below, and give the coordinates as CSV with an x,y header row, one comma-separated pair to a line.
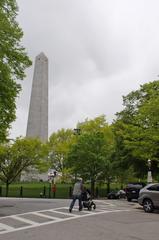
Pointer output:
x,y
49,219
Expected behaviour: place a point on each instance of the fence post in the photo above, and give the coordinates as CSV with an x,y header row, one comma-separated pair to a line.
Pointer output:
x,y
106,191
21,191
50,190
97,192
1,191
70,192
44,192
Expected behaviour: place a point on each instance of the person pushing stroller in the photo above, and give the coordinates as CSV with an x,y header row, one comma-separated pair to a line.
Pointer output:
x,y
77,194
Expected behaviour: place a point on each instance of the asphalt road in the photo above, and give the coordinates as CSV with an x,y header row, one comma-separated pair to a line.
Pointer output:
x,y
43,219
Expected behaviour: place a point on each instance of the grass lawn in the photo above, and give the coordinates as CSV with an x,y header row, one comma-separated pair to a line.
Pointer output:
x,y
36,189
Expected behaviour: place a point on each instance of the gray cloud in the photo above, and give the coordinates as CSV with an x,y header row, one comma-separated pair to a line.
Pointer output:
x,y
98,50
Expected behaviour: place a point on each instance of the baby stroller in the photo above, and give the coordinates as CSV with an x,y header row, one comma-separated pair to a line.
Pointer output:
x,y
87,201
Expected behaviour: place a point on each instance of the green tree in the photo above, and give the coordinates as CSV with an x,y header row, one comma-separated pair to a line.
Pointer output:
x,y
91,154
59,145
16,157
13,61
137,128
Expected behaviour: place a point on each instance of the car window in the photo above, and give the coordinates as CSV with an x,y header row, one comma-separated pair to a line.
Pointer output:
x,y
154,188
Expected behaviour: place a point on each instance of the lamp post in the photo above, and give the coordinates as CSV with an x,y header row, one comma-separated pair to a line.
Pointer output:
x,y
149,175
77,131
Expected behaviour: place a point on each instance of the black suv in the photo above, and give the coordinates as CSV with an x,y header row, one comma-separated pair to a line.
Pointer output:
x,y
132,190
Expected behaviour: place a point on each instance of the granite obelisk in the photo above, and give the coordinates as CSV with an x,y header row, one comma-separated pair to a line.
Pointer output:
x,y
38,112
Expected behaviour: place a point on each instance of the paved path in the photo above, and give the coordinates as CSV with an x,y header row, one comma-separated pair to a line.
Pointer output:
x,y
43,217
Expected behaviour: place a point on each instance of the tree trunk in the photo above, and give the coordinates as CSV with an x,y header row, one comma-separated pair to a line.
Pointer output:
x,y
108,186
92,187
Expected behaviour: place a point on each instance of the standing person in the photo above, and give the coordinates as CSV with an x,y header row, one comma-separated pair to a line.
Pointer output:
x,y
77,194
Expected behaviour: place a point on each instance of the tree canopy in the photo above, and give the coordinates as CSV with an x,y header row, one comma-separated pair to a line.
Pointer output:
x,y
59,145
90,156
137,128
16,157
13,61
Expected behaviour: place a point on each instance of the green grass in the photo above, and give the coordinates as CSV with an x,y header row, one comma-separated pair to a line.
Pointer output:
x,y
34,190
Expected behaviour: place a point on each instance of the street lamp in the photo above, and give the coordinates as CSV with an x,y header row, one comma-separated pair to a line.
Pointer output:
x,y
77,131
149,174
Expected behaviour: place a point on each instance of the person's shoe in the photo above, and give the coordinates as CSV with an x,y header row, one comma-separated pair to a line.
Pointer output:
x,y
70,210
80,209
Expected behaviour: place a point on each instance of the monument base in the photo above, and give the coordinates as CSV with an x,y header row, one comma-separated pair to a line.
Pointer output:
x,y
149,177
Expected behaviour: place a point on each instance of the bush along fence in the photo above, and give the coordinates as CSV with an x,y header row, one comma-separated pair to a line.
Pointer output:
x,y
45,192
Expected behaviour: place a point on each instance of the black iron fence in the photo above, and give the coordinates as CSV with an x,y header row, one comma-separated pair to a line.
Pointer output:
x,y
45,192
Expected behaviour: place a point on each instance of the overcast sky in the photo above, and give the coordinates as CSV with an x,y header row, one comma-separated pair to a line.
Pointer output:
x,y
98,51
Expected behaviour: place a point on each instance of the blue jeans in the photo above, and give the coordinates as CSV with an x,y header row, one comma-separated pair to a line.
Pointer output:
x,y
74,198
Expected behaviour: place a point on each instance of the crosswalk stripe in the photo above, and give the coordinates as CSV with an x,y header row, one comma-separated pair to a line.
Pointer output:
x,y
64,213
46,216
23,220
5,227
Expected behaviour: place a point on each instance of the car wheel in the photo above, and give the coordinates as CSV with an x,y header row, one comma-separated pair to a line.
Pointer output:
x,y
148,206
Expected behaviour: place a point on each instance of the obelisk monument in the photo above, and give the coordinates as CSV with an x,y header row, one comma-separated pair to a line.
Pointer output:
x,y
38,112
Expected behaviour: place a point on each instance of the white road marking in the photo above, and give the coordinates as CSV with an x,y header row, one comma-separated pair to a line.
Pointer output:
x,y
21,219
32,224
64,213
45,216
5,227
105,203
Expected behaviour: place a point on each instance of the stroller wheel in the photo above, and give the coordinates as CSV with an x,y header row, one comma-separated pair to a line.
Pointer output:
x,y
89,208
